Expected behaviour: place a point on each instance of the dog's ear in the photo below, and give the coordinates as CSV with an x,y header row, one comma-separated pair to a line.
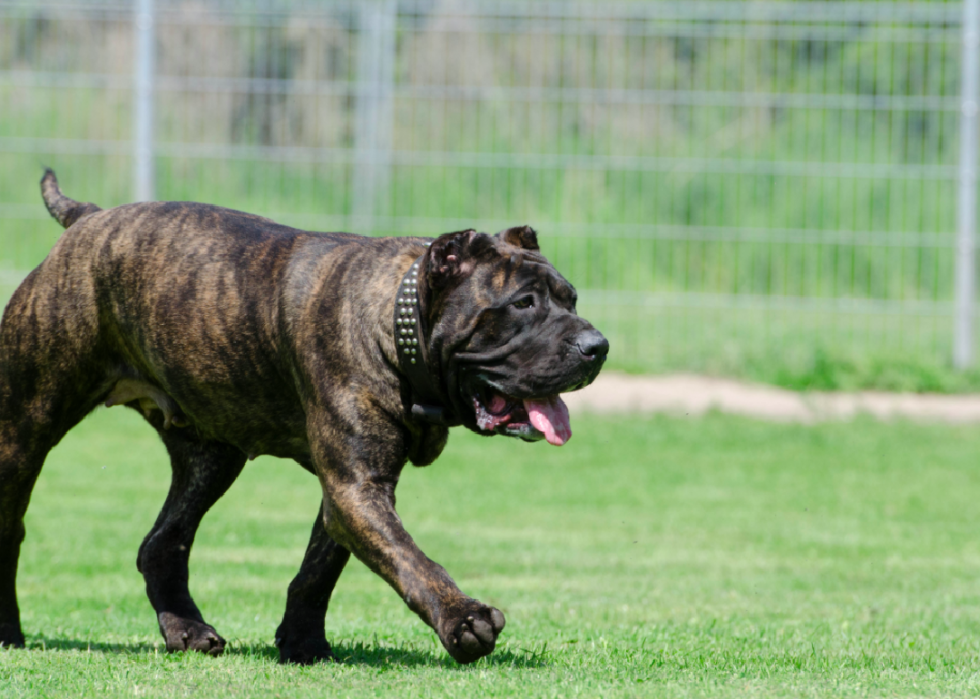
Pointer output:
x,y
451,257
521,237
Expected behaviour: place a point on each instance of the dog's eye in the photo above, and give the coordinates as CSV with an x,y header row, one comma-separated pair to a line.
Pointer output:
x,y
525,302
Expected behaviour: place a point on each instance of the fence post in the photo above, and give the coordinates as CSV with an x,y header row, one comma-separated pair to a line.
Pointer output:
x,y
373,113
966,205
143,128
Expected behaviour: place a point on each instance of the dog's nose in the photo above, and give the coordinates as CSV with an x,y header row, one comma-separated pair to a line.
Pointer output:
x,y
592,344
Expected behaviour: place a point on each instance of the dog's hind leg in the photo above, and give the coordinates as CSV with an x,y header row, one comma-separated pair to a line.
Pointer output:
x,y
22,452
202,473
27,434
300,637
50,378
37,409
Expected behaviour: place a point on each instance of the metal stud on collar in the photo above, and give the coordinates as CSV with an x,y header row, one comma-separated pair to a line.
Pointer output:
x,y
408,302
427,399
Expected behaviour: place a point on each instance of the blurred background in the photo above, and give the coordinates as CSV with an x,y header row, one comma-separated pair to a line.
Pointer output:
x,y
764,190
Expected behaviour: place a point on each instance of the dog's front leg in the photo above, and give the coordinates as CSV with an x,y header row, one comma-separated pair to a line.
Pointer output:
x,y
359,513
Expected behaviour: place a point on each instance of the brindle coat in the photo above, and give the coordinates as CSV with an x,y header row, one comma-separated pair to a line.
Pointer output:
x,y
235,336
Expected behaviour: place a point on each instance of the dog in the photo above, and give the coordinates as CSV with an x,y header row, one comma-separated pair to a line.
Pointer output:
x,y
235,336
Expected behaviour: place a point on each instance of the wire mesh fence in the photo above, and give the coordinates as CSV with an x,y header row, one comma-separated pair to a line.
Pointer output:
x,y
745,187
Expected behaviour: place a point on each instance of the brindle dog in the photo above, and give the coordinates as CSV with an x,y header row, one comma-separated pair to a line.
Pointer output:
x,y
235,336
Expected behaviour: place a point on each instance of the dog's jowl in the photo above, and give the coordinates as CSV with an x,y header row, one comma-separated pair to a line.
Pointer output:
x,y
234,337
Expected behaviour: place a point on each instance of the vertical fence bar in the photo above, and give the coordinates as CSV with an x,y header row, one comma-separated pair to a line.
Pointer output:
x,y
143,146
966,206
373,113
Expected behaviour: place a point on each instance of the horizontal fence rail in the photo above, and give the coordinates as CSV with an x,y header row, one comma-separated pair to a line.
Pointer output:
x,y
729,184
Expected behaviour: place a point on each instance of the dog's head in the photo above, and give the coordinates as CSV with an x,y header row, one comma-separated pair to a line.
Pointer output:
x,y
506,336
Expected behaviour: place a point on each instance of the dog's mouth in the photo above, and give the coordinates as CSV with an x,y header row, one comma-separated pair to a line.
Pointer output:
x,y
530,419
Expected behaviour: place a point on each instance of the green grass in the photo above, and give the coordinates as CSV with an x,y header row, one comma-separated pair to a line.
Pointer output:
x,y
650,557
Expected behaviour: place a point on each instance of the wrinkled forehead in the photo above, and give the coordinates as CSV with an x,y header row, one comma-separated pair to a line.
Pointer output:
x,y
519,268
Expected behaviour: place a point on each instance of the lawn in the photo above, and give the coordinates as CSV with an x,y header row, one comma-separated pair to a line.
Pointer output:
x,y
650,557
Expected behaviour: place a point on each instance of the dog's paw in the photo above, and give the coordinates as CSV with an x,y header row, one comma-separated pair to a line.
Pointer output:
x,y
305,651
11,636
473,634
187,634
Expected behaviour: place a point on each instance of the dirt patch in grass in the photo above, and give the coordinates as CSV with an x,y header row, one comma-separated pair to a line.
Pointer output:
x,y
687,394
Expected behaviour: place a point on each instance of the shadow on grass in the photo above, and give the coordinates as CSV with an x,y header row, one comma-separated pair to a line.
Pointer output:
x,y
378,655
374,655
44,643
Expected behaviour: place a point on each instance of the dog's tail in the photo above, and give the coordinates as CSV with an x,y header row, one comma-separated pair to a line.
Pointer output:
x,y
65,211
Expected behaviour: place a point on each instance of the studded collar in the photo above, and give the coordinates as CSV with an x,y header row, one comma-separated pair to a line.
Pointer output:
x,y
410,335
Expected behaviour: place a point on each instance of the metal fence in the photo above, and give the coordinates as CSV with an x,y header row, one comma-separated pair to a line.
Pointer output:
x,y
729,184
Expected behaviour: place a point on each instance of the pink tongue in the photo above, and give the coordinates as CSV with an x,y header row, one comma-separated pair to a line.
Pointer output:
x,y
549,415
